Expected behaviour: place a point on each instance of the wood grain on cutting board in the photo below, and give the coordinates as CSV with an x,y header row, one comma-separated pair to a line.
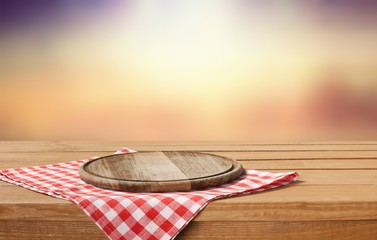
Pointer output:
x,y
160,171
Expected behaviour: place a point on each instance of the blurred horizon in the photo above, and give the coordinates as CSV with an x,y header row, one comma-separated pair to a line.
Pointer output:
x,y
188,70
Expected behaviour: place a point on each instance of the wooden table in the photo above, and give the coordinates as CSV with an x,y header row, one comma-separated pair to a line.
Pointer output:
x,y
336,197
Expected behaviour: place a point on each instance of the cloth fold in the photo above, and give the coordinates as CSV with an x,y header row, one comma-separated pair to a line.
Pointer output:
x,y
126,215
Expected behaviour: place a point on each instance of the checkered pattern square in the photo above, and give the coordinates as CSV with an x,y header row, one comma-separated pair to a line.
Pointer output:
x,y
126,215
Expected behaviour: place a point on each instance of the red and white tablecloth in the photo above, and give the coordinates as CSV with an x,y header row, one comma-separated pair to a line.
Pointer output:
x,y
126,215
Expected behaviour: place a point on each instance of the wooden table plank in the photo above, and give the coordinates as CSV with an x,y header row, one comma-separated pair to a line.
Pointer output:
x,y
336,197
304,203
324,230
56,230
300,155
366,230
14,160
8,160
68,146
296,164
328,164
330,177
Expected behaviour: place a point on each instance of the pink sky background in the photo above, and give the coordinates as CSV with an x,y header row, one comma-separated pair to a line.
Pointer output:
x,y
188,70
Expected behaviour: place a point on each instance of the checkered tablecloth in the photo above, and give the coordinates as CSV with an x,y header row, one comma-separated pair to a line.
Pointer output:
x,y
126,215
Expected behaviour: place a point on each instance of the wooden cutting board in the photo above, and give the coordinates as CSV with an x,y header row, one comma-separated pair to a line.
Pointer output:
x,y
160,171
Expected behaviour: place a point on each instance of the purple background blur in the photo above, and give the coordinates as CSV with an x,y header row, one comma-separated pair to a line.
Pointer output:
x,y
168,70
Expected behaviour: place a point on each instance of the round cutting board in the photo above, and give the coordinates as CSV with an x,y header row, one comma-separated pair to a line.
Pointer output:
x,y
160,171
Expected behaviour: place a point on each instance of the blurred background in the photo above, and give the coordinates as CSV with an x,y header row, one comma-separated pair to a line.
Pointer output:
x,y
171,70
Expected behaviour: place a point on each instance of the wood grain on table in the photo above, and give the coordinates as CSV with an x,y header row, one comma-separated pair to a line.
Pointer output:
x,y
335,197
